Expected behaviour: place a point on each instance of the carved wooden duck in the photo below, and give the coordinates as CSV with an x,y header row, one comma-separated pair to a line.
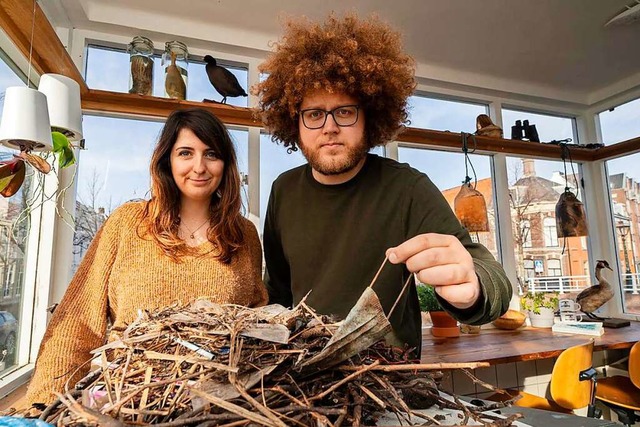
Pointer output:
x,y
595,296
486,127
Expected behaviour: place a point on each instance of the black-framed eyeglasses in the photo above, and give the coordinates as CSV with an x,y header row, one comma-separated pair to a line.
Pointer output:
x,y
344,115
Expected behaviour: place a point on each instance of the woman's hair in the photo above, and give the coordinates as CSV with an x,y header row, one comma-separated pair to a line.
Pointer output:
x,y
162,213
362,58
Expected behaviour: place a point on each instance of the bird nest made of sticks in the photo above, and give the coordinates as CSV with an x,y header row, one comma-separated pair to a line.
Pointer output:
x,y
212,364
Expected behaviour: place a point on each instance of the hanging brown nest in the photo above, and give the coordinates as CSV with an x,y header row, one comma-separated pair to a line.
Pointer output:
x,y
232,365
571,219
471,209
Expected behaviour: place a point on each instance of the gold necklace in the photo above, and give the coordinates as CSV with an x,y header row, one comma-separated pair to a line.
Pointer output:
x,y
192,233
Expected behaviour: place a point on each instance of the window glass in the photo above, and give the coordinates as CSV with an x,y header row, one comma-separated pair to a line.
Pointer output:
x,y
13,246
108,69
440,114
624,188
535,187
548,127
274,160
620,123
447,171
550,232
554,267
14,230
526,234
112,171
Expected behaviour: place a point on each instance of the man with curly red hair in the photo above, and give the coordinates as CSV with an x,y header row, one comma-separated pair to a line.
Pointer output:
x,y
335,90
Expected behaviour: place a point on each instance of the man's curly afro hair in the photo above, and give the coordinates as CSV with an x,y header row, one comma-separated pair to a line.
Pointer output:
x,y
362,58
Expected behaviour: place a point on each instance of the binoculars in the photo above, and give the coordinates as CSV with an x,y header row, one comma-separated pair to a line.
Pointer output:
x,y
523,130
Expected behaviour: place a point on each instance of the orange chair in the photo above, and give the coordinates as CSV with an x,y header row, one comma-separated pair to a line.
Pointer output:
x,y
622,394
572,384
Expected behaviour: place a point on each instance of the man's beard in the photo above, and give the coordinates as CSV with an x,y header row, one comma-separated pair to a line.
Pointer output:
x,y
333,165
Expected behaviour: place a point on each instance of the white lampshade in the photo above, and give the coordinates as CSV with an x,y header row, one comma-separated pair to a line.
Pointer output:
x,y
25,120
63,98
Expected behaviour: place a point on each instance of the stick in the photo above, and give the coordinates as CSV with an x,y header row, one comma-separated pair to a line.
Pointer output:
x,y
346,379
378,273
239,410
145,393
404,288
418,367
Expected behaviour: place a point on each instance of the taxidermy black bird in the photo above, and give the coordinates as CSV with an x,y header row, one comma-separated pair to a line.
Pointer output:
x,y
595,296
222,80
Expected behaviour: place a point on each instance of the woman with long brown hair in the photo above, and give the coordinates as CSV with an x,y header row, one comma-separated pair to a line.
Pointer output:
x,y
189,241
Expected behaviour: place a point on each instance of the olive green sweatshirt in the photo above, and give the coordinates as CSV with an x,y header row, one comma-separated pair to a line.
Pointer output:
x,y
331,240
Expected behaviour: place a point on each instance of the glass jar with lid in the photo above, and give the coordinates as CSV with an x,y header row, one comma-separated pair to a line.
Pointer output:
x,y
141,60
175,61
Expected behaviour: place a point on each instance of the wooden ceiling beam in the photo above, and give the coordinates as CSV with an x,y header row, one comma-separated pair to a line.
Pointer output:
x,y
48,54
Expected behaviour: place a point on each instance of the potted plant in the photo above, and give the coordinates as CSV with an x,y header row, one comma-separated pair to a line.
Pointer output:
x,y
540,307
443,324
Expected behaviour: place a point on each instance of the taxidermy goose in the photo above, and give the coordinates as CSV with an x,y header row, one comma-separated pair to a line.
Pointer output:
x,y
595,296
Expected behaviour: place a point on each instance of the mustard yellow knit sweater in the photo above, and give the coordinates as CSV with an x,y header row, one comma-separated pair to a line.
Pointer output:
x,y
121,273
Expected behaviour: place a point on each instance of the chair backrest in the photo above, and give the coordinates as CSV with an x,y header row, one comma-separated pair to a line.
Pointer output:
x,y
634,364
566,388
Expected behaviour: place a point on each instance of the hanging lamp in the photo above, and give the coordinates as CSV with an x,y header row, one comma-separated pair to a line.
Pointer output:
x,y
571,218
63,101
25,118
469,204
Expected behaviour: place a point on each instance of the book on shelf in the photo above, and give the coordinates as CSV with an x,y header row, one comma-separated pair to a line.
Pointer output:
x,y
581,328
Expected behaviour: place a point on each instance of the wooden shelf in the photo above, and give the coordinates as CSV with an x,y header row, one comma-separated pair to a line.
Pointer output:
x,y
624,148
102,101
494,145
149,106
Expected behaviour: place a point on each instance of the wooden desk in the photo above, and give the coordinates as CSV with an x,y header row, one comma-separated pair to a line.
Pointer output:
x,y
498,346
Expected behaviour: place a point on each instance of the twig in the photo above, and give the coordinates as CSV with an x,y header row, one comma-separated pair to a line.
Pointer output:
x,y
420,367
345,380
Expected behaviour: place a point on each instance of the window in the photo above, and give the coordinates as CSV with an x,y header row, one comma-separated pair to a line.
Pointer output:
x,y
620,123
108,69
529,268
447,171
624,187
526,234
550,232
554,268
440,114
534,189
104,180
549,127
14,233
274,160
